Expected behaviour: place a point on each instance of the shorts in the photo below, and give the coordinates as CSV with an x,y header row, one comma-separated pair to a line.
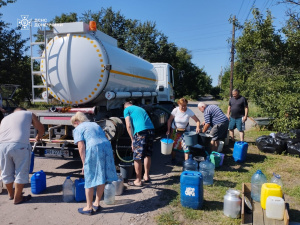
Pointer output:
x,y
143,144
219,131
236,123
15,162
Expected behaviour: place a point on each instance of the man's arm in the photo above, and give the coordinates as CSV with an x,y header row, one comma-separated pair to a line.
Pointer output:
x,y
205,128
39,126
129,127
246,113
228,112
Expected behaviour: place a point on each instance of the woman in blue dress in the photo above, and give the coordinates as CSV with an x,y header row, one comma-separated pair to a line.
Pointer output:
x,y
97,158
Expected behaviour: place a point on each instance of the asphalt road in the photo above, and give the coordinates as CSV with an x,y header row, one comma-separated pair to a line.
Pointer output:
x,y
134,206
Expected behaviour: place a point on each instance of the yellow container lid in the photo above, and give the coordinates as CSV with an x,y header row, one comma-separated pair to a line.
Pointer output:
x,y
269,189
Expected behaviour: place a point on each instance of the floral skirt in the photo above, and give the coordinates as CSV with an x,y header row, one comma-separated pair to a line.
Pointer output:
x,y
179,143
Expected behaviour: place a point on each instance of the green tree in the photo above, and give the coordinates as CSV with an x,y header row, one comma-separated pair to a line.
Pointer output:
x,y
265,71
14,66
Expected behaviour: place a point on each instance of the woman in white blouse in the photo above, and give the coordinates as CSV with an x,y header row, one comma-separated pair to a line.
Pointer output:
x,y
178,123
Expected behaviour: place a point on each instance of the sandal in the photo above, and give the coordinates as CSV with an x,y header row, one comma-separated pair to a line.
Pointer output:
x,y
147,181
96,208
131,183
25,199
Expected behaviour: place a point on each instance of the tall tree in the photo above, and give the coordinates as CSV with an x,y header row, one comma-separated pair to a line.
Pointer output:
x,y
265,72
14,66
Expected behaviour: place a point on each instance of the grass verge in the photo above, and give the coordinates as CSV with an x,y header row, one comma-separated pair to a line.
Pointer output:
x,y
233,175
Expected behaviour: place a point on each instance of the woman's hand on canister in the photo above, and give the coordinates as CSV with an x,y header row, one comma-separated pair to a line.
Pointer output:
x,y
168,132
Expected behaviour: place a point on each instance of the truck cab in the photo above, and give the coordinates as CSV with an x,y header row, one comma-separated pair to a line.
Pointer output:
x,y
165,76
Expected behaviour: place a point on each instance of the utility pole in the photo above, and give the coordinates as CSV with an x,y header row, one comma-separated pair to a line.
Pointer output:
x,y
232,56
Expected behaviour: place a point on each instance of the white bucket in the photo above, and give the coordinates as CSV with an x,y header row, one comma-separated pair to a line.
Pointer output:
x,y
221,145
166,146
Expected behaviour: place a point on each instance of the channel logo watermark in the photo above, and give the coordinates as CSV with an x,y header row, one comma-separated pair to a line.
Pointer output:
x,y
25,22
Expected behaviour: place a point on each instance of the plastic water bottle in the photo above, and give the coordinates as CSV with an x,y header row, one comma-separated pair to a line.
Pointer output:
x,y
119,184
1,185
257,180
68,190
207,169
190,164
109,194
276,179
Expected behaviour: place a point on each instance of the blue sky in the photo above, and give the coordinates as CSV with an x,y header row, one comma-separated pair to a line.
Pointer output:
x,y
200,26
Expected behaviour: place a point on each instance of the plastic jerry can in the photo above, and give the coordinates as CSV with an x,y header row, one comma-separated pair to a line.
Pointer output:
x,y
38,182
269,189
275,208
215,158
240,151
191,189
79,190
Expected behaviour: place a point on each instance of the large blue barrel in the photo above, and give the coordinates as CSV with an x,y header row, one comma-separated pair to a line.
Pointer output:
x,y
191,189
79,190
38,182
240,151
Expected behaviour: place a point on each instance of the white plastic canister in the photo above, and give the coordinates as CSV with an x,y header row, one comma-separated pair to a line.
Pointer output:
x,y
275,208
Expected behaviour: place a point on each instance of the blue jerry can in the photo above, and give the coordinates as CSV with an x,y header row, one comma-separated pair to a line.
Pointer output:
x,y
79,190
240,151
191,189
38,182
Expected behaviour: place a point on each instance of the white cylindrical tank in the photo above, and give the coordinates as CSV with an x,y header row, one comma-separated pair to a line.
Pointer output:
x,y
78,66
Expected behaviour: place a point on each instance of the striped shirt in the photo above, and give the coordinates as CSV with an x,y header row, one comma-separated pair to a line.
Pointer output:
x,y
214,115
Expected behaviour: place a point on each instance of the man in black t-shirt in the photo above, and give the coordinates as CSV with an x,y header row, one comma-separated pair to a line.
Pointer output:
x,y
237,113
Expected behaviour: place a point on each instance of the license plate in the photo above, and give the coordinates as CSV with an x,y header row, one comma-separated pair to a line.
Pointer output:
x,y
55,152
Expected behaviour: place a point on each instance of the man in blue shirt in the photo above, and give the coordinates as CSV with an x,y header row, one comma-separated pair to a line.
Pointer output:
x,y
141,133
215,118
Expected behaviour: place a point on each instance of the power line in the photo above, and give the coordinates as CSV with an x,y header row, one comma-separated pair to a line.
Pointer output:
x,y
241,7
250,10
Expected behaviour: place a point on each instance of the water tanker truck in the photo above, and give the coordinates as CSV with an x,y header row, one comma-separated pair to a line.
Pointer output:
x,y
84,70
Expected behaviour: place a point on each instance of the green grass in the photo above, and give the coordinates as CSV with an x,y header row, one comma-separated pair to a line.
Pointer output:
x,y
233,175
167,219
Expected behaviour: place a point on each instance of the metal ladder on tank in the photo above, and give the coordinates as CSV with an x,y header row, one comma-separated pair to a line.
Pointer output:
x,y
39,73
